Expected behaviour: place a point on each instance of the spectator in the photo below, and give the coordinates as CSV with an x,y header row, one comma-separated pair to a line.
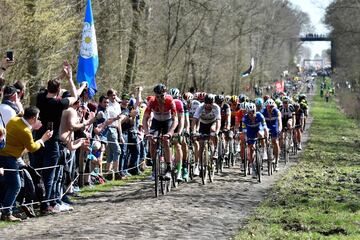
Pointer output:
x,y
4,65
114,134
129,125
51,106
10,106
19,140
19,85
101,127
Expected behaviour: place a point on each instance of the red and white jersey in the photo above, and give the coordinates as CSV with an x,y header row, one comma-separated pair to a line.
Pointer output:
x,y
162,112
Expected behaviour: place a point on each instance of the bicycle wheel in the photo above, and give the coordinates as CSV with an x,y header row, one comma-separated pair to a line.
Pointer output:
x,y
286,149
270,159
191,163
167,184
210,165
258,163
203,161
157,175
295,145
232,154
245,162
174,181
220,158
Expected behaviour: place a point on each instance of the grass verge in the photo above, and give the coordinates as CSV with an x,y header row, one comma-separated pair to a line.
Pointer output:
x,y
109,185
320,197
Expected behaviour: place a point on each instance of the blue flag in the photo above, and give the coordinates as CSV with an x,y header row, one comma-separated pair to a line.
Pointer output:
x,y
88,58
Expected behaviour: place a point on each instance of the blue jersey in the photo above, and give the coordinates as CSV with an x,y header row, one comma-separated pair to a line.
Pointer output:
x,y
272,119
253,126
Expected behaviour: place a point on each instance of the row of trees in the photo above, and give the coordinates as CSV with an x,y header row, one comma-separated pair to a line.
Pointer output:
x,y
183,43
344,20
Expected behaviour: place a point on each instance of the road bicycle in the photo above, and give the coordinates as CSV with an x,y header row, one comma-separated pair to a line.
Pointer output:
x,y
159,168
257,157
207,168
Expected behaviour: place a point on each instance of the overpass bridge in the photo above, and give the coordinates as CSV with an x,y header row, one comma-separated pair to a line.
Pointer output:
x,y
314,37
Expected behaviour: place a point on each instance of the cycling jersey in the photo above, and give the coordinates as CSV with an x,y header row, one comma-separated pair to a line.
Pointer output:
x,y
179,110
235,113
164,112
299,115
206,116
225,112
253,126
194,104
288,112
185,106
272,121
179,106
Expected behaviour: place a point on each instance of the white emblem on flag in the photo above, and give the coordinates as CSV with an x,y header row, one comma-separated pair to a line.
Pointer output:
x,y
88,47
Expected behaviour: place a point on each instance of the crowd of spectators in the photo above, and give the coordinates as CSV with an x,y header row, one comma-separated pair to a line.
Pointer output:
x,y
55,147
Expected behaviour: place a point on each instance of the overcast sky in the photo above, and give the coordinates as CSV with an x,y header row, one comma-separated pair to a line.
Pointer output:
x,y
316,10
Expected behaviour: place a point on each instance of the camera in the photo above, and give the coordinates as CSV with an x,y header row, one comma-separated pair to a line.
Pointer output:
x,y
10,55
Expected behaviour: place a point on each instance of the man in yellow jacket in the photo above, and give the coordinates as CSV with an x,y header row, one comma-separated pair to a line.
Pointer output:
x,y
19,140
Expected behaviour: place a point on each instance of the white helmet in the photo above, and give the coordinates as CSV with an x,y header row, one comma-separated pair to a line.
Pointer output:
x,y
250,107
270,102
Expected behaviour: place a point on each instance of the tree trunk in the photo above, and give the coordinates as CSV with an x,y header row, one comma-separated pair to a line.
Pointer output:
x,y
137,10
32,54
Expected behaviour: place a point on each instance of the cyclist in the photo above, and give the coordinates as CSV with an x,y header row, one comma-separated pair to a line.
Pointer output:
x,y
253,123
164,121
235,119
186,98
299,121
239,134
259,102
177,138
194,104
304,106
273,122
225,120
287,116
207,119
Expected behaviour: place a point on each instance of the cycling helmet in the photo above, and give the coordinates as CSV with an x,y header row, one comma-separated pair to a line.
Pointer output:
x,y
219,99
285,99
174,92
242,98
250,107
278,102
302,97
266,97
227,98
160,89
242,106
259,102
200,96
209,98
233,99
188,96
270,103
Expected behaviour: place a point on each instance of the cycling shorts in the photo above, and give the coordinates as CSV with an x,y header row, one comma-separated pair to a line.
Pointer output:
x,y
206,128
275,133
158,127
251,135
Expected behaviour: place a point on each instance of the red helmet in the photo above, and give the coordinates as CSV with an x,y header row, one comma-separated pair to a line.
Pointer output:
x,y
188,96
200,96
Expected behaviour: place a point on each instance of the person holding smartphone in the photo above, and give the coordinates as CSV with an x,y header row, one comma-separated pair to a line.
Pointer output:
x,y
51,107
4,65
